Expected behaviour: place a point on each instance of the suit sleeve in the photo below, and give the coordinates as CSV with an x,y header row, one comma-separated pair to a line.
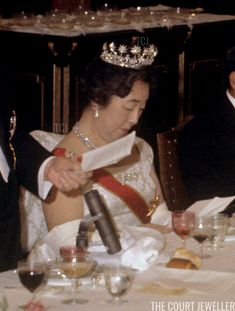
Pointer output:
x,y
196,159
29,157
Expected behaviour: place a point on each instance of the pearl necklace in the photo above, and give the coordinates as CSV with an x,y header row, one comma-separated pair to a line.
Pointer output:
x,y
84,139
125,177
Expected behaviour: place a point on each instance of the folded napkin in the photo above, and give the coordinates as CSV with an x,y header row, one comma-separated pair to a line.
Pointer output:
x,y
141,246
48,247
211,207
162,216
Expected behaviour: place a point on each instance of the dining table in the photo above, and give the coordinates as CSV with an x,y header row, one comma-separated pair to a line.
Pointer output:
x,y
62,39
158,288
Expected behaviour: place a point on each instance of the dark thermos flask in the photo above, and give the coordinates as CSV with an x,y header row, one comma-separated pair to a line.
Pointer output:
x,y
105,224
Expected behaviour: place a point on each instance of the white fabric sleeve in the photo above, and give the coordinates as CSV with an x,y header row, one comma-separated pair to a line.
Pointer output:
x,y
44,186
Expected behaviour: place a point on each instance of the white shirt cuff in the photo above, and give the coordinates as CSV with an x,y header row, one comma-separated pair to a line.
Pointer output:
x,y
44,186
4,168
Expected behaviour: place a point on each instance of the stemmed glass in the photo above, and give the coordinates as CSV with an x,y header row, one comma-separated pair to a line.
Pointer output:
x,y
182,224
118,281
32,275
75,265
219,227
201,231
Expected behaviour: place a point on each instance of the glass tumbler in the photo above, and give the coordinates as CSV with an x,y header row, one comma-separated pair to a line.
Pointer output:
x,y
219,227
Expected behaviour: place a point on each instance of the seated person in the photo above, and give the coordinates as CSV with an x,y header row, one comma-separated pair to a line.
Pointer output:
x,y
207,146
115,90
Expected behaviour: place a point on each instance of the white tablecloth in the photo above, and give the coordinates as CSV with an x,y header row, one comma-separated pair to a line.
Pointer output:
x,y
158,288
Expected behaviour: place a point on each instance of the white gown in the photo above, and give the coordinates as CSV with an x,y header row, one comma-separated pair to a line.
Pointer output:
x,y
137,176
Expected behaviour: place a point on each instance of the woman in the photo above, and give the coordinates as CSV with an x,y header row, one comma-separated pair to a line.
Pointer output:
x,y
114,93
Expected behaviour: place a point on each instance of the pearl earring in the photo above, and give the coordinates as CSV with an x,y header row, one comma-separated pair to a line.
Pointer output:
x,y
96,113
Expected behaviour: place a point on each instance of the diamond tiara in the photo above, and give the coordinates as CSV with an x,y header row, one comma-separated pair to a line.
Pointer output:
x,y
134,57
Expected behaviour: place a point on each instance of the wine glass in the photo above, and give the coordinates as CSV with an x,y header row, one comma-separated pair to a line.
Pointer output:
x,y
75,265
32,275
219,227
118,281
201,231
182,224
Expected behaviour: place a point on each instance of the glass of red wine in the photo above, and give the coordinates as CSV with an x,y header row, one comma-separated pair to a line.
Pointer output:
x,y
201,231
32,275
183,223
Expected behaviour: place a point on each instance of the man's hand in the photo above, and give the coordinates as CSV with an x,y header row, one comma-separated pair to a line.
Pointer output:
x,y
66,174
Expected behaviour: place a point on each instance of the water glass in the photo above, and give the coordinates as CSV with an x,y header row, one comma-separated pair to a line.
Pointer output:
x,y
231,228
219,227
118,281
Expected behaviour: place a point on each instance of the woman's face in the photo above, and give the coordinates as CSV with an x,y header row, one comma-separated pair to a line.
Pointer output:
x,y
121,114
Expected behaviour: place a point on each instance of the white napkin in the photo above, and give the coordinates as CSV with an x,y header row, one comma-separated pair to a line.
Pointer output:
x,y
48,247
162,216
141,246
211,207
145,246
108,154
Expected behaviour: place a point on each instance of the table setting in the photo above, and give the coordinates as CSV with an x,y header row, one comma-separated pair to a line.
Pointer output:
x,y
151,283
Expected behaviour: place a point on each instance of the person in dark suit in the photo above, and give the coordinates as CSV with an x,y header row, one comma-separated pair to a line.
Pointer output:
x,y
23,161
206,146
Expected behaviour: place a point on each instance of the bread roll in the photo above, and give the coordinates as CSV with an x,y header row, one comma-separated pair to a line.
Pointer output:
x,y
180,263
184,253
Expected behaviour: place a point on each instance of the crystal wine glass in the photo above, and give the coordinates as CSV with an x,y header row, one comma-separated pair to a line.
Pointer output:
x,y
219,227
118,281
201,231
32,275
75,265
182,223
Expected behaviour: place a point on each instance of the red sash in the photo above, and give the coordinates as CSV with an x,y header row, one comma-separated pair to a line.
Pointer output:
x,y
127,194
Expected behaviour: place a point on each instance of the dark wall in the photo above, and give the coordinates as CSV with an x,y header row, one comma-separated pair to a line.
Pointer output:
x,y
10,7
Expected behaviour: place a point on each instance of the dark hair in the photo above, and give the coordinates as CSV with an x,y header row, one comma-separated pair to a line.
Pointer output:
x,y
102,80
